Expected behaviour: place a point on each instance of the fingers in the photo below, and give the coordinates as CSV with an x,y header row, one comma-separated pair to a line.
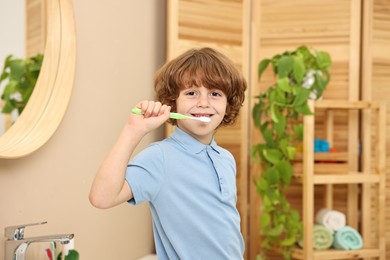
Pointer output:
x,y
152,108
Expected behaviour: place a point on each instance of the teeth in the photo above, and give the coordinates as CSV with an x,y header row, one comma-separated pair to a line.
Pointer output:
x,y
196,115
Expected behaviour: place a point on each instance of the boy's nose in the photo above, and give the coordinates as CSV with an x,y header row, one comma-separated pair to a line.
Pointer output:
x,y
203,101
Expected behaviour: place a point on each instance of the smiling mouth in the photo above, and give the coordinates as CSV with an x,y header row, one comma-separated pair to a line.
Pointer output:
x,y
201,115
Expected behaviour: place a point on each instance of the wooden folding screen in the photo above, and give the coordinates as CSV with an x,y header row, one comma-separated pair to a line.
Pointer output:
x,y
354,32
375,74
332,26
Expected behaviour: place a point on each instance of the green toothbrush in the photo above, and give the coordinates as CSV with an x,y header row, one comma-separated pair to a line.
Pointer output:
x,y
176,116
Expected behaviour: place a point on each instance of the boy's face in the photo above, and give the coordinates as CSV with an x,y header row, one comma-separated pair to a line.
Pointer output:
x,y
200,101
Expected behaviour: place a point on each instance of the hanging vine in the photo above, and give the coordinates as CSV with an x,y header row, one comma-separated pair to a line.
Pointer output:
x,y
299,75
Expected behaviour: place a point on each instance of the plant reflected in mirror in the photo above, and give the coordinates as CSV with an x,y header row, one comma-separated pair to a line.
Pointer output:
x,y
17,82
20,55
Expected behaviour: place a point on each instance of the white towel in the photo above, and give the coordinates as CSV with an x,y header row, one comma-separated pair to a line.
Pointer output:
x,y
332,219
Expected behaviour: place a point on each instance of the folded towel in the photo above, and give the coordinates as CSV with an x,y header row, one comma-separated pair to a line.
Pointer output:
x,y
347,238
322,237
332,219
321,145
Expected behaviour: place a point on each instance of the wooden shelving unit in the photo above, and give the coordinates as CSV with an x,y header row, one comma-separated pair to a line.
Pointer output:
x,y
332,168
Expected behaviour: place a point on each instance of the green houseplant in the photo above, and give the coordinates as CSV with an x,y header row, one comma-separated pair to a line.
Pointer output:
x,y
20,76
300,75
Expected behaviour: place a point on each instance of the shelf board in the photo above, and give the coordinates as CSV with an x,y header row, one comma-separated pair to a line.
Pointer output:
x,y
350,178
333,254
341,104
324,168
326,157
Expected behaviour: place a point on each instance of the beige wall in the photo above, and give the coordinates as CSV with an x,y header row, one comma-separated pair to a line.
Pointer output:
x,y
120,44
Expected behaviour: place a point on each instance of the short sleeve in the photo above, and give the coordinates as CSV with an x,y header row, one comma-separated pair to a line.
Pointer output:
x,y
145,174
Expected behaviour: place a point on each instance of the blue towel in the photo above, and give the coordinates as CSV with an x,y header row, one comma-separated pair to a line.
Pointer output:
x,y
347,238
321,145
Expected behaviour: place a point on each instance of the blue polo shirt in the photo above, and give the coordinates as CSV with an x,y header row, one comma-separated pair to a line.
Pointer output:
x,y
191,190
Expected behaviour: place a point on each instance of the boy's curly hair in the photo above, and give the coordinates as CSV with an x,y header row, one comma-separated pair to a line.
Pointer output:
x,y
201,67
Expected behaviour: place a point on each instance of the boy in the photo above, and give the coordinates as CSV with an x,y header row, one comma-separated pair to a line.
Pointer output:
x,y
188,180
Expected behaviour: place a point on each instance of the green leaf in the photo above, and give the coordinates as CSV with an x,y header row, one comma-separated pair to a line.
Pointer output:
x,y
256,115
267,202
301,97
298,131
264,125
272,155
276,231
285,66
299,69
275,113
268,137
283,84
272,176
262,66
285,170
265,220
323,60
261,185
320,84
280,97
288,241
280,126
259,257
291,151
17,69
8,107
265,244
257,151
283,142
5,73
295,215
304,51
303,109
9,89
271,96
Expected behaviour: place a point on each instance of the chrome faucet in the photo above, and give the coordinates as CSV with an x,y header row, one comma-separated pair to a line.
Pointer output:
x,y
16,245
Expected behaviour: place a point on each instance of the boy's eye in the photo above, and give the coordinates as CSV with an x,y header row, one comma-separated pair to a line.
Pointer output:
x,y
216,94
190,93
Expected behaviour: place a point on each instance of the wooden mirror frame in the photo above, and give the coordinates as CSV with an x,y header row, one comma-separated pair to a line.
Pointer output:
x,y
49,100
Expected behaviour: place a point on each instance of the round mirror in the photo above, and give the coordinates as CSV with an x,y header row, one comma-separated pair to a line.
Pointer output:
x,y
49,100
13,45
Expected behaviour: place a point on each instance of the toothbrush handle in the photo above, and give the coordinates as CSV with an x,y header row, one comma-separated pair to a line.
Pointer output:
x,y
178,116
138,111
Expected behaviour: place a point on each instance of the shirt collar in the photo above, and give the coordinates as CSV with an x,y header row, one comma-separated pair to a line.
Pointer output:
x,y
190,143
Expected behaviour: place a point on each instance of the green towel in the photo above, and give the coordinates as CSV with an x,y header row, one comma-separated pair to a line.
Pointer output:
x,y
347,238
322,237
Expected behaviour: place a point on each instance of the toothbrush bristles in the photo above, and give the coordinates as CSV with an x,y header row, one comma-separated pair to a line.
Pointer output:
x,y
204,119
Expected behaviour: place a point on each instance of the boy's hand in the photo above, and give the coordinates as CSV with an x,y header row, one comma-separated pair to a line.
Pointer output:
x,y
154,114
